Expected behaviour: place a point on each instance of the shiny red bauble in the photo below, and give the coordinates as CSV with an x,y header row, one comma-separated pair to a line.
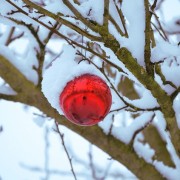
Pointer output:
x,y
86,100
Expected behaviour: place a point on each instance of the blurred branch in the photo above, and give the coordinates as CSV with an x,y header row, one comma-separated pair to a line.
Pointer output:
x,y
50,171
91,164
65,149
1,130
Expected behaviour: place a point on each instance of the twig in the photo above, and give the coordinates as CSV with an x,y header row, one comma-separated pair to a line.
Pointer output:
x,y
51,171
65,149
160,27
119,109
159,31
11,38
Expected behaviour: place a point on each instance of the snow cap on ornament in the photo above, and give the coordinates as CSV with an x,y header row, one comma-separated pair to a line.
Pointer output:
x,y
78,91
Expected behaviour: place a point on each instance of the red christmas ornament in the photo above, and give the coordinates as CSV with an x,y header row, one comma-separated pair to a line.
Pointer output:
x,y
86,100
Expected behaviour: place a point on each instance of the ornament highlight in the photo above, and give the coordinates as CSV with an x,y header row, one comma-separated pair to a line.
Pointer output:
x,y
86,100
